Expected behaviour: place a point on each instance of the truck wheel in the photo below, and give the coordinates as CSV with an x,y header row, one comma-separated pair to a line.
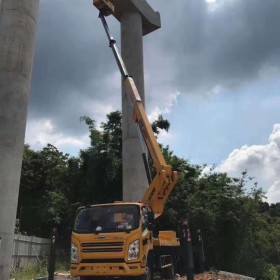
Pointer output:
x,y
148,275
171,271
149,271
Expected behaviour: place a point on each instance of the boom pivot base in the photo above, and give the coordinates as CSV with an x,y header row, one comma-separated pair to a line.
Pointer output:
x,y
105,7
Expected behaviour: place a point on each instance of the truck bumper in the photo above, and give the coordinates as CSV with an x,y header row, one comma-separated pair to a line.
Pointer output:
x,y
107,269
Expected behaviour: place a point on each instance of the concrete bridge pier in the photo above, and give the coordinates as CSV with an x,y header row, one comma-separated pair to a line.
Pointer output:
x,y
18,21
137,19
134,176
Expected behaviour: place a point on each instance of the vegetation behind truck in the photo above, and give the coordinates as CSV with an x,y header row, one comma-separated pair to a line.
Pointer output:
x,y
118,239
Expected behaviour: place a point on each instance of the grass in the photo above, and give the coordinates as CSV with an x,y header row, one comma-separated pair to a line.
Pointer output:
x,y
62,266
30,271
62,263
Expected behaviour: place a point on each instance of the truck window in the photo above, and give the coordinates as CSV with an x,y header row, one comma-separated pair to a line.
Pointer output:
x,y
107,218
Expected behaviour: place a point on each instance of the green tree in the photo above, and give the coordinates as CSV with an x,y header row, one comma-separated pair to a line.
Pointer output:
x,y
101,164
44,178
160,124
241,232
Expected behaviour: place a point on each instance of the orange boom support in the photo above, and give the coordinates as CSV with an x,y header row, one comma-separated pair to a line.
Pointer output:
x,y
120,239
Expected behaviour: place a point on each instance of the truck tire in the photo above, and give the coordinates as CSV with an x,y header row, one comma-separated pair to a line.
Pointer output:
x,y
149,275
169,272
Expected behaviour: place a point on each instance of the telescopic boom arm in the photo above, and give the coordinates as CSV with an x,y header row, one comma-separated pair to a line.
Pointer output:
x,y
165,179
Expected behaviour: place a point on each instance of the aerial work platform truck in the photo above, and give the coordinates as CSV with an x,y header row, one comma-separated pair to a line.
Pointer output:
x,y
119,240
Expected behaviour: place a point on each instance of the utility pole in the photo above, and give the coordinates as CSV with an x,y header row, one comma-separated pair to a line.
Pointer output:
x,y
137,19
187,251
201,252
52,257
18,22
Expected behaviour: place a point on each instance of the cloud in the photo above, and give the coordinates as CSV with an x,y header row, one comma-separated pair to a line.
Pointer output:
x,y
164,136
41,132
225,43
275,135
72,64
273,193
195,51
170,103
201,48
261,162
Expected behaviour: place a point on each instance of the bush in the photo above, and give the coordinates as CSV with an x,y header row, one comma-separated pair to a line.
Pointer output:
x,y
270,272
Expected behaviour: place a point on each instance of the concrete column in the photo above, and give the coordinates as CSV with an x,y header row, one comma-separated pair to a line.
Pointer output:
x,y
18,21
134,176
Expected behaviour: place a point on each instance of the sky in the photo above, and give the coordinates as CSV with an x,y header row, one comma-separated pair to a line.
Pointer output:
x,y
212,70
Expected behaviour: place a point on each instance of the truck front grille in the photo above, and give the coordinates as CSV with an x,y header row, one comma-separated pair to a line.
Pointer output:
x,y
103,261
105,247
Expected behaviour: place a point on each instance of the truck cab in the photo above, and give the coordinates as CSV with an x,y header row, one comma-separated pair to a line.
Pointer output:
x,y
111,240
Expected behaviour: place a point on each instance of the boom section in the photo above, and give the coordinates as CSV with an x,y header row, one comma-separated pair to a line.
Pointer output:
x,y
165,179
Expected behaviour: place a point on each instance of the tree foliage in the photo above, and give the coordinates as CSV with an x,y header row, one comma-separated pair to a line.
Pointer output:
x,y
241,232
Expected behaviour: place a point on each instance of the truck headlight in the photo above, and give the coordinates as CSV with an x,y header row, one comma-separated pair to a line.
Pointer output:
x,y
74,253
133,250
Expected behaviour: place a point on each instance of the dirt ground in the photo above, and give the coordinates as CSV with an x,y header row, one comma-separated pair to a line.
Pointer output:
x,y
204,276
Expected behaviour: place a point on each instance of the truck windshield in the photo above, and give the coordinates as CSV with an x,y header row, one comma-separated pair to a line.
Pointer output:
x,y
109,218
